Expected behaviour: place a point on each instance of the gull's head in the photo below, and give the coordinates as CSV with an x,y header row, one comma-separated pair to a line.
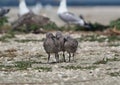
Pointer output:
x,y
49,35
67,37
22,2
23,9
59,34
37,8
62,7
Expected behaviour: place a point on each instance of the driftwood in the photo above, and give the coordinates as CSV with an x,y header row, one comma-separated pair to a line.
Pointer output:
x,y
112,31
115,31
109,31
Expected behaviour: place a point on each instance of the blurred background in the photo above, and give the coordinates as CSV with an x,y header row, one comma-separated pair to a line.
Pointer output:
x,y
100,11
69,2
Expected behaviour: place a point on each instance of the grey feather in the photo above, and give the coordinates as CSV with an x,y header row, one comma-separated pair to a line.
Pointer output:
x,y
71,18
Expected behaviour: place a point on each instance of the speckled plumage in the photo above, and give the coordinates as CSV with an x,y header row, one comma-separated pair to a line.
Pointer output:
x,y
70,46
61,40
51,46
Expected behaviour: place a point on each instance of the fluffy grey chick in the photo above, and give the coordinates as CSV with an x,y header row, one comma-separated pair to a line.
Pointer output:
x,y
61,40
51,46
70,46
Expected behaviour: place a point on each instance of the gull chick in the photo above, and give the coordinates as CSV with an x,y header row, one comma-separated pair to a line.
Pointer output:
x,y
61,40
51,46
70,46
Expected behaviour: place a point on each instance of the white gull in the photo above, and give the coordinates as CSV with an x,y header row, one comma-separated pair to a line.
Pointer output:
x,y
23,9
69,17
37,8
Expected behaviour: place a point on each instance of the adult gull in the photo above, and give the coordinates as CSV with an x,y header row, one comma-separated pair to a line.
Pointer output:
x,y
23,9
37,8
69,17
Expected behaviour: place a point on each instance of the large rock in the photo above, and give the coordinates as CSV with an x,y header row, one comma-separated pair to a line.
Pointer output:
x,y
31,19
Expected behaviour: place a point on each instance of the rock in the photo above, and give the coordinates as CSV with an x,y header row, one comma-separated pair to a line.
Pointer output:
x,y
30,19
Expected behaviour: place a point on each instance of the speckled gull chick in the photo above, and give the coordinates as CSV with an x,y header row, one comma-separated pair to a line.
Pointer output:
x,y
61,40
4,11
51,46
70,46
69,17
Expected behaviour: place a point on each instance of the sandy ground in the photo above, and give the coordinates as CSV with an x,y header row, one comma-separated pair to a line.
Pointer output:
x,y
89,68
93,14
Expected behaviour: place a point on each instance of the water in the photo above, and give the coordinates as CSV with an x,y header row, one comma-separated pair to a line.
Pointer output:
x,y
69,2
